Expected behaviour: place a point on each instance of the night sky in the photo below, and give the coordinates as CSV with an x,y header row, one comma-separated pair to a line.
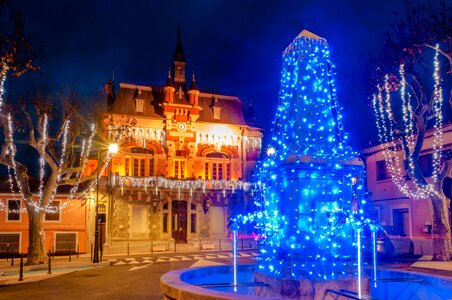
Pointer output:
x,y
233,47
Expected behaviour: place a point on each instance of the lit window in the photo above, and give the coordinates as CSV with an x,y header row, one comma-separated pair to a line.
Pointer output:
x,y
140,162
216,113
53,211
127,166
217,166
179,169
151,167
13,210
139,105
179,164
206,170
228,171
214,171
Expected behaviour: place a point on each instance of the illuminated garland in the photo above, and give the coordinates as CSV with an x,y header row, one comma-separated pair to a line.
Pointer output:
x,y
86,148
42,159
118,134
408,118
162,182
61,162
437,108
3,75
12,153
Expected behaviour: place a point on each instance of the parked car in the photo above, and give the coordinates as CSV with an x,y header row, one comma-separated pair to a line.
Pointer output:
x,y
390,242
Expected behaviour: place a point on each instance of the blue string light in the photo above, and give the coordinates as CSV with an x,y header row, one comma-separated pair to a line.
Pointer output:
x,y
309,194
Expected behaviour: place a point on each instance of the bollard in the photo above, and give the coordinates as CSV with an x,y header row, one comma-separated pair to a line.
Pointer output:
x,y
49,270
69,252
91,251
128,249
12,257
219,244
77,250
21,269
7,252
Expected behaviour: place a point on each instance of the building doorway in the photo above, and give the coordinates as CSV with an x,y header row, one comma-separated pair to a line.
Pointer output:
x,y
401,220
179,221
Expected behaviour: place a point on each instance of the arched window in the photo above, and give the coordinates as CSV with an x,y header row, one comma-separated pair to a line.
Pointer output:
x,y
217,166
139,162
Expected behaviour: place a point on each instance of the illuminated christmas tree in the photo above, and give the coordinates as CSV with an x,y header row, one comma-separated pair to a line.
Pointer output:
x,y
311,200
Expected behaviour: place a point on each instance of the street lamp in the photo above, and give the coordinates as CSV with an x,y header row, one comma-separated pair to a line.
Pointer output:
x,y
112,150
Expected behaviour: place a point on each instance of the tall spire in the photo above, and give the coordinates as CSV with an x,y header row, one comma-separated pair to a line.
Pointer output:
x,y
179,53
179,63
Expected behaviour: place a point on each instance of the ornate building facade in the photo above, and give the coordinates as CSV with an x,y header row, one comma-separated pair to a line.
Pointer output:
x,y
184,165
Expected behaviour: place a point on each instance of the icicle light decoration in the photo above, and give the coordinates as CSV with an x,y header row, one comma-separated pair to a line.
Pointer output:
x,y
162,182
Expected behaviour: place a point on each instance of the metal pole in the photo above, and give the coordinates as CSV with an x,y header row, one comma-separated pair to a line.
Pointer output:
x,y
358,241
21,270
96,224
234,254
374,256
49,271
100,240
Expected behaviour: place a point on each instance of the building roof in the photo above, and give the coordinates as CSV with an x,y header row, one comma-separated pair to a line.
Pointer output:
x,y
124,103
231,108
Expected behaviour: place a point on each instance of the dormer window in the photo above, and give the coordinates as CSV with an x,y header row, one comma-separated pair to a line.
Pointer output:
x,y
139,102
139,105
216,113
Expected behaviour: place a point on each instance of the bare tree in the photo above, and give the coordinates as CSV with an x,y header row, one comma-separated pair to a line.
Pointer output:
x,y
62,141
416,63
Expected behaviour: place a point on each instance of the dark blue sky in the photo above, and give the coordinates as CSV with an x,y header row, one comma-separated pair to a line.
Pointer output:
x,y
234,47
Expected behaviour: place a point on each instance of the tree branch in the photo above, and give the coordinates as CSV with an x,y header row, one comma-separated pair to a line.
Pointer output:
x,y
442,52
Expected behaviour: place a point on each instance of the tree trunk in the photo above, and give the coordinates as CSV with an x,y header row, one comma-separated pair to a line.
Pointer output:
x,y
36,237
442,250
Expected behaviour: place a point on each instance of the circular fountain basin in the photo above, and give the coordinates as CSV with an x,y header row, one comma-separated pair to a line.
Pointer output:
x,y
216,283
211,283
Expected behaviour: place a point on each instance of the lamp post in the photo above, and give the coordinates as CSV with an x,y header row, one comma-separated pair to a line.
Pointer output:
x,y
112,150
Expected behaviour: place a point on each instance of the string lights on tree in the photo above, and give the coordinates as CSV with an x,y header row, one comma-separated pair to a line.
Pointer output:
x,y
395,136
